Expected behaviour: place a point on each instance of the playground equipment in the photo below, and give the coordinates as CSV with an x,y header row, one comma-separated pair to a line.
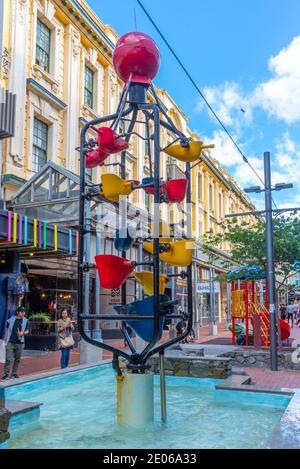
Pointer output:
x,y
136,60
249,307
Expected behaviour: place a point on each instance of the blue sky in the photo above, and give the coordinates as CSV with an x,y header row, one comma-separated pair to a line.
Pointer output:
x,y
243,55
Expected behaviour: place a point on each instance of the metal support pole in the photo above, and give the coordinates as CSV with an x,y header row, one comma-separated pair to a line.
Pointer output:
x,y
270,261
228,291
212,297
189,234
163,394
87,256
97,330
196,308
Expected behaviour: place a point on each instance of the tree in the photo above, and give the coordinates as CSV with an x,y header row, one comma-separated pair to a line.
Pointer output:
x,y
248,245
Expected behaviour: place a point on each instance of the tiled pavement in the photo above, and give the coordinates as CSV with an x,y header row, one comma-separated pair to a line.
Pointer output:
x,y
274,379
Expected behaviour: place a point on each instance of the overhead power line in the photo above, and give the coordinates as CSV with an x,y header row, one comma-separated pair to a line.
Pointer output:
x,y
245,159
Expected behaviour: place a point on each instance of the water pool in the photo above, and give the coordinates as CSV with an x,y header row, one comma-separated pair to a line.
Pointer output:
x,y
78,411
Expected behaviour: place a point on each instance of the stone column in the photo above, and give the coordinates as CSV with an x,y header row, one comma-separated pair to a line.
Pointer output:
x,y
20,23
72,95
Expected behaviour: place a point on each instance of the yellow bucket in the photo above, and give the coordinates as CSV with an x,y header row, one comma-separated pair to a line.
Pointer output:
x,y
180,254
146,280
187,154
113,187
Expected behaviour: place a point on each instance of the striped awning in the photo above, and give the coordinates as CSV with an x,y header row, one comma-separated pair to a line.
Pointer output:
x,y
33,237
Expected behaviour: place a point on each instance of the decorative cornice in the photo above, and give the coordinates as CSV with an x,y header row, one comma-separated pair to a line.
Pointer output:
x,y
92,30
215,170
41,91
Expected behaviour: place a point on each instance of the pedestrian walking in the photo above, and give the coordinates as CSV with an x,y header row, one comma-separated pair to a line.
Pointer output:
x,y
282,310
16,329
290,314
65,337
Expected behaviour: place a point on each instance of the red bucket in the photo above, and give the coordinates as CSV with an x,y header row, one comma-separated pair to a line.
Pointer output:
x,y
112,270
95,158
176,190
109,141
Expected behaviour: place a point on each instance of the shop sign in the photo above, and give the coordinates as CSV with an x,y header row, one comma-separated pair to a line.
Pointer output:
x,y
115,297
204,287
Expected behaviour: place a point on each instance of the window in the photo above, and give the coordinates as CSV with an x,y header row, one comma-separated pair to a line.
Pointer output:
x,y
220,205
200,187
88,87
43,35
211,198
200,228
40,144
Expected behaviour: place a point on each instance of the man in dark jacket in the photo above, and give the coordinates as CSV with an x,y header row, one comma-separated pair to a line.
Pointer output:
x,y
16,329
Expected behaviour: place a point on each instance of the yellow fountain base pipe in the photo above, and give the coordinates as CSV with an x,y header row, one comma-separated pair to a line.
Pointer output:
x,y
135,400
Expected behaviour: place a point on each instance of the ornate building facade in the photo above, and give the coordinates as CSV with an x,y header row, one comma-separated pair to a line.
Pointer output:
x,y
58,60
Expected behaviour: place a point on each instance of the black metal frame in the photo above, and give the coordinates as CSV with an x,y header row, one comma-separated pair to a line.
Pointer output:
x,y
134,94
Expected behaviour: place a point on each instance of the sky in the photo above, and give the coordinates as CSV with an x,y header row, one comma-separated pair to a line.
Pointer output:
x,y
244,55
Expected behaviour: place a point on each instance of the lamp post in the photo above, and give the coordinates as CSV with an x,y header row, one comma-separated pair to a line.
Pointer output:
x,y
270,250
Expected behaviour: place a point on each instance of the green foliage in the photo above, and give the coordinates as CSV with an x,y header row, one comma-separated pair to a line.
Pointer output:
x,y
248,245
41,317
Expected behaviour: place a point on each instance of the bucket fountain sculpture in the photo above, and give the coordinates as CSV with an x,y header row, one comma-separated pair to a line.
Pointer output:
x,y
136,60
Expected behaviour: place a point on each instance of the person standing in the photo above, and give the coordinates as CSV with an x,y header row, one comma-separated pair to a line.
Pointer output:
x,y
65,338
16,329
282,311
290,314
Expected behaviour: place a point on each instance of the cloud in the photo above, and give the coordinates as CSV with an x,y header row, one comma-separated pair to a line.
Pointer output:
x,y
224,150
280,96
287,155
245,175
230,104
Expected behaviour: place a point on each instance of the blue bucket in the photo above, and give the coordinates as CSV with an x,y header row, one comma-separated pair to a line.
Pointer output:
x,y
123,243
145,329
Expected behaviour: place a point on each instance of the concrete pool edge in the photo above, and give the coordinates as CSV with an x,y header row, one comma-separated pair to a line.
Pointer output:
x,y
286,434
49,374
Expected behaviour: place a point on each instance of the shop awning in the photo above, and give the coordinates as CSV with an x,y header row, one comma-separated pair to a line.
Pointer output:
x,y
33,237
50,195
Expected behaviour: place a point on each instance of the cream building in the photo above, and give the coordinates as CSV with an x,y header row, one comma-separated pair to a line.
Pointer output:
x,y
58,61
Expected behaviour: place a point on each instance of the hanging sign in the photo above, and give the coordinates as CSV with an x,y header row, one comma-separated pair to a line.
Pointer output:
x,y
204,287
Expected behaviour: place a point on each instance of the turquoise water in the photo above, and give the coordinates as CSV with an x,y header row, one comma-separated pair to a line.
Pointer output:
x,y
78,411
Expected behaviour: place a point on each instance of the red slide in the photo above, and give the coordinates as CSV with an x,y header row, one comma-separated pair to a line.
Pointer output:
x,y
284,327
285,330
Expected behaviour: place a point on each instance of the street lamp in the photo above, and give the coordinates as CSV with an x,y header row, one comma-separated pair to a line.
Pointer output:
x,y
256,189
270,250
